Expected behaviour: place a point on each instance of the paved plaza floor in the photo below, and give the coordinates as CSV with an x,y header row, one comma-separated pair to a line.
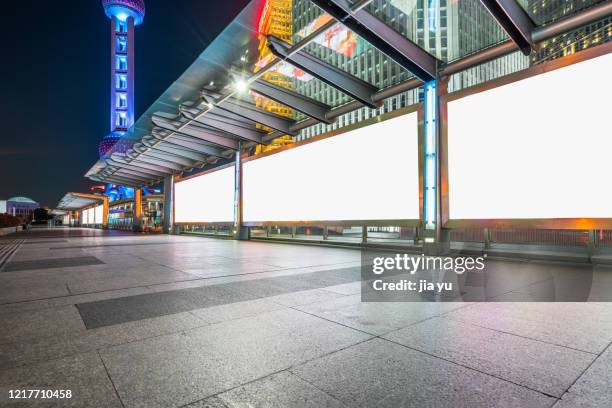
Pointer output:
x,y
133,320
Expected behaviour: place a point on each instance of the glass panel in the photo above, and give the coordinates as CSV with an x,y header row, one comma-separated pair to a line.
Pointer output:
x,y
392,235
585,37
546,11
344,49
390,104
497,68
447,29
309,233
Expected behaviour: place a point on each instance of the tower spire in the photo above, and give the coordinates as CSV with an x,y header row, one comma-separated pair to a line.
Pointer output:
x,y
124,16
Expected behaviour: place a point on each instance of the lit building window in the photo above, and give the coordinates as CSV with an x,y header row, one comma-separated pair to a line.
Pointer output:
x,y
121,81
121,120
121,62
121,26
121,44
121,100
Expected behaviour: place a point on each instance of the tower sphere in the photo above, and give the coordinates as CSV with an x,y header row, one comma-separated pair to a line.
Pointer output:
x,y
122,9
110,141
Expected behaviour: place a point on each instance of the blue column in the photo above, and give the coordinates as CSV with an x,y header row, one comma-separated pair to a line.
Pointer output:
x,y
240,232
430,204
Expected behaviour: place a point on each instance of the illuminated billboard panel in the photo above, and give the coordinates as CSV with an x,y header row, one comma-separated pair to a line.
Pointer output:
x,y
98,214
538,148
206,198
370,173
88,216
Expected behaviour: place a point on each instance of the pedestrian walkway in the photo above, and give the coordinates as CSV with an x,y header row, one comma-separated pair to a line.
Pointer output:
x,y
135,320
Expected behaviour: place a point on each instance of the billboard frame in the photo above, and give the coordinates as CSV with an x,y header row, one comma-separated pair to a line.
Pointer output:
x,y
179,179
419,109
525,223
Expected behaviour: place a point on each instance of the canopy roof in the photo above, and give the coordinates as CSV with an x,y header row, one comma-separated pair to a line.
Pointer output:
x,y
21,199
218,105
76,201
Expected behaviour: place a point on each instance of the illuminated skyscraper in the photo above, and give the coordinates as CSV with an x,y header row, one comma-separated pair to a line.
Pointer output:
x,y
587,36
124,16
276,19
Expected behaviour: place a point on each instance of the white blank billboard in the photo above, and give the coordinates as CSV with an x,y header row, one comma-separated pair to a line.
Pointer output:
x,y
206,198
538,148
88,216
99,214
370,173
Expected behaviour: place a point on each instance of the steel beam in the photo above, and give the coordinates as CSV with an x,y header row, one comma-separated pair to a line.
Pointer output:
x,y
393,44
174,149
352,86
307,106
195,155
122,162
134,172
152,160
190,142
251,112
210,135
181,160
121,181
514,20
231,125
114,165
129,176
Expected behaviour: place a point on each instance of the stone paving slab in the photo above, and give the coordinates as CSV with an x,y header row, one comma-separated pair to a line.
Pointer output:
x,y
377,318
64,344
282,390
39,323
84,375
378,373
594,388
51,263
238,310
582,326
43,241
539,366
173,370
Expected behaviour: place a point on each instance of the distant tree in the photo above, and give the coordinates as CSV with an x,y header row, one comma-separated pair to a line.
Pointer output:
x,y
7,220
41,214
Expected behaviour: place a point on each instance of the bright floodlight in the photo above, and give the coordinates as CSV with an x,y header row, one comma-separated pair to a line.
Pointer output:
x,y
241,85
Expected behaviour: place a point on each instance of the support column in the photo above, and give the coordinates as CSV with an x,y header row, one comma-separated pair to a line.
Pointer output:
x,y
105,213
592,242
137,220
436,239
168,218
240,232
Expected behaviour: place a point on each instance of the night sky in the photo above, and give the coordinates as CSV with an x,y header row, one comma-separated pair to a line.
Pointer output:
x,y
56,82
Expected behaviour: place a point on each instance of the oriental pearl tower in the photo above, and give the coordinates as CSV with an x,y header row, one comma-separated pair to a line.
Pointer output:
x,y
124,16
